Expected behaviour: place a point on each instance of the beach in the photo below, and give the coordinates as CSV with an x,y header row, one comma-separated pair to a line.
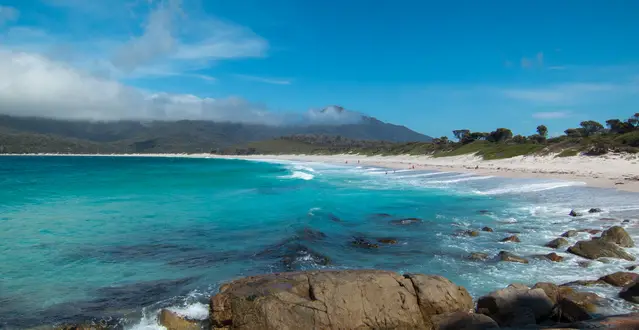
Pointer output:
x,y
617,171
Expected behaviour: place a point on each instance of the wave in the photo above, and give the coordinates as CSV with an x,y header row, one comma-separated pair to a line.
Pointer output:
x,y
526,188
303,168
419,175
472,178
298,175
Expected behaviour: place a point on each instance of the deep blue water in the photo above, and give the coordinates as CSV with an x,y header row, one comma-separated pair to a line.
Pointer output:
x,y
120,237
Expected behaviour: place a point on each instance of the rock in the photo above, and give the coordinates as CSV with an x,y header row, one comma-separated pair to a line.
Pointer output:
x,y
557,243
478,256
510,305
626,221
471,233
554,257
363,243
348,299
551,290
570,233
630,292
463,321
487,229
594,210
576,306
620,279
484,212
599,249
632,267
628,321
617,235
574,213
295,256
507,256
387,240
406,221
584,263
584,283
512,238
173,321
593,231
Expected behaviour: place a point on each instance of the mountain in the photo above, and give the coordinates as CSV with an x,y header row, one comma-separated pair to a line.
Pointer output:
x,y
27,134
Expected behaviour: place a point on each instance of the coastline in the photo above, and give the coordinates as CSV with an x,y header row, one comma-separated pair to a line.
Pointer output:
x,y
612,171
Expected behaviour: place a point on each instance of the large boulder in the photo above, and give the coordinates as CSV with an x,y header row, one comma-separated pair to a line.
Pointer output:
x,y
599,249
509,257
631,292
576,306
620,279
464,321
557,243
173,321
620,322
617,235
516,306
349,299
551,290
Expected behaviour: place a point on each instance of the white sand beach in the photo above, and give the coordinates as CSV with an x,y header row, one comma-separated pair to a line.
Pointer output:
x,y
617,171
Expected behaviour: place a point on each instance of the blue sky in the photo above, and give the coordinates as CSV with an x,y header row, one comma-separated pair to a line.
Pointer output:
x,y
433,66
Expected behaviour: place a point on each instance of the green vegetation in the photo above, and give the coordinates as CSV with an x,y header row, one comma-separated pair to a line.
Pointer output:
x,y
590,138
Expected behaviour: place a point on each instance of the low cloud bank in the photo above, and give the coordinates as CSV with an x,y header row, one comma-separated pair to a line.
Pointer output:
x,y
32,85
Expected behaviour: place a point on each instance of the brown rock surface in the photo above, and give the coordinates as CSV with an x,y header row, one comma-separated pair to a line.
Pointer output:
x,y
516,305
557,243
620,279
173,321
349,299
512,238
507,256
617,235
463,321
599,248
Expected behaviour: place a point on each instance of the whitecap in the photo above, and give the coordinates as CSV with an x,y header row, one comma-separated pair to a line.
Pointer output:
x,y
525,188
298,175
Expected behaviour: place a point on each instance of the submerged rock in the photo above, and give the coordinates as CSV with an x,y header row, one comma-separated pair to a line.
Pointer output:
x,y
387,240
478,256
570,233
349,299
557,243
485,212
594,210
617,235
599,249
361,242
512,238
173,321
310,234
620,279
509,257
406,221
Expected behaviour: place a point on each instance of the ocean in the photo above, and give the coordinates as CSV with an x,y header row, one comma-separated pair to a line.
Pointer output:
x,y
118,238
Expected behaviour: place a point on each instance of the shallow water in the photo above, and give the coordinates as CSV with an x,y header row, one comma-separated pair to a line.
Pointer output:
x,y
118,238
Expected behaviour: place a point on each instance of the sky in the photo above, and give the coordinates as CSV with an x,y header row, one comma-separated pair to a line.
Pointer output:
x,y
432,66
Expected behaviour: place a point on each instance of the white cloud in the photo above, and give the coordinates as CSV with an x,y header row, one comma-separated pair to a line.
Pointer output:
x,y
561,94
551,115
8,14
273,81
33,85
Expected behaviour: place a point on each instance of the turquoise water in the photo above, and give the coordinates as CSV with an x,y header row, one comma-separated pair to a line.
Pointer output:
x,y
117,238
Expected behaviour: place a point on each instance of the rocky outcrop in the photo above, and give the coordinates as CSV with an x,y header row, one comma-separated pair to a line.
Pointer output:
x,y
507,256
576,306
599,249
512,238
516,306
463,321
620,279
172,321
350,299
631,292
557,243
617,235
551,290
570,233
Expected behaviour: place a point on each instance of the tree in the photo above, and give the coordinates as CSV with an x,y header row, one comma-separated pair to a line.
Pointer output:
x,y
617,126
443,139
461,133
574,132
499,135
634,120
519,139
591,127
542,130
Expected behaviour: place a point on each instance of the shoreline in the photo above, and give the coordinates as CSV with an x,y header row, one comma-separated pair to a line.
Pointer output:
x,y
612,171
